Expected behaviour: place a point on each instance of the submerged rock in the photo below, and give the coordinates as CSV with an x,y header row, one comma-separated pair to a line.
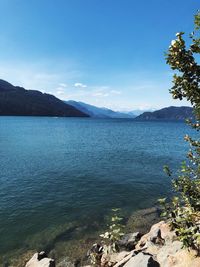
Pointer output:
x,y
142,220
65,263
129,241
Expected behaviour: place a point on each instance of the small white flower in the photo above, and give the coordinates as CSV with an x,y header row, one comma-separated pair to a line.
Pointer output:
x,y
173,42
106,235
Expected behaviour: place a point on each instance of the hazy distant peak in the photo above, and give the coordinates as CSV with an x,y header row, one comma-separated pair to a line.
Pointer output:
x,y
98,112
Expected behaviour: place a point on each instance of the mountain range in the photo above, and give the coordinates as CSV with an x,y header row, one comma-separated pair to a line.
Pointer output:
x,y
17,101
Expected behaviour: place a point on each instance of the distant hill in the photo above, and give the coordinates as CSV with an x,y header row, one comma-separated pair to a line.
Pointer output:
x,y
16,101
97,112
169,113
137,112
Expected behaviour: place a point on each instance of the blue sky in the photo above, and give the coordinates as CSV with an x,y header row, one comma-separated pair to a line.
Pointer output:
x,y
104,52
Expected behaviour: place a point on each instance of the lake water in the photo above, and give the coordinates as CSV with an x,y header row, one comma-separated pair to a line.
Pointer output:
x,y
56,172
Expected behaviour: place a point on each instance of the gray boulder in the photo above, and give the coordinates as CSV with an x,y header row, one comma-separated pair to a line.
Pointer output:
x,y
142,260
40,260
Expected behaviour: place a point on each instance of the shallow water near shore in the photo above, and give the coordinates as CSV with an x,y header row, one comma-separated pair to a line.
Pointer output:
x,y
61,176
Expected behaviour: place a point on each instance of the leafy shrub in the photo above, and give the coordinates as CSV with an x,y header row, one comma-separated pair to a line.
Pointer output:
x,y
108,239
114,232
183,211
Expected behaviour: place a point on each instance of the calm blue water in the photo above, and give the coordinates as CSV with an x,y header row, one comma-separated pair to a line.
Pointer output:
x,y
55,171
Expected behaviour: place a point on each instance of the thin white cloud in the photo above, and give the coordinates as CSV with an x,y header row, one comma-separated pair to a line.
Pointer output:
x,y
63,85
80,85
60,92
103,91
115,92
100,94
59,88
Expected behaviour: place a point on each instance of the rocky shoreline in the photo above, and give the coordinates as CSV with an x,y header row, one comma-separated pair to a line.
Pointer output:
x,y
157,248
146,240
